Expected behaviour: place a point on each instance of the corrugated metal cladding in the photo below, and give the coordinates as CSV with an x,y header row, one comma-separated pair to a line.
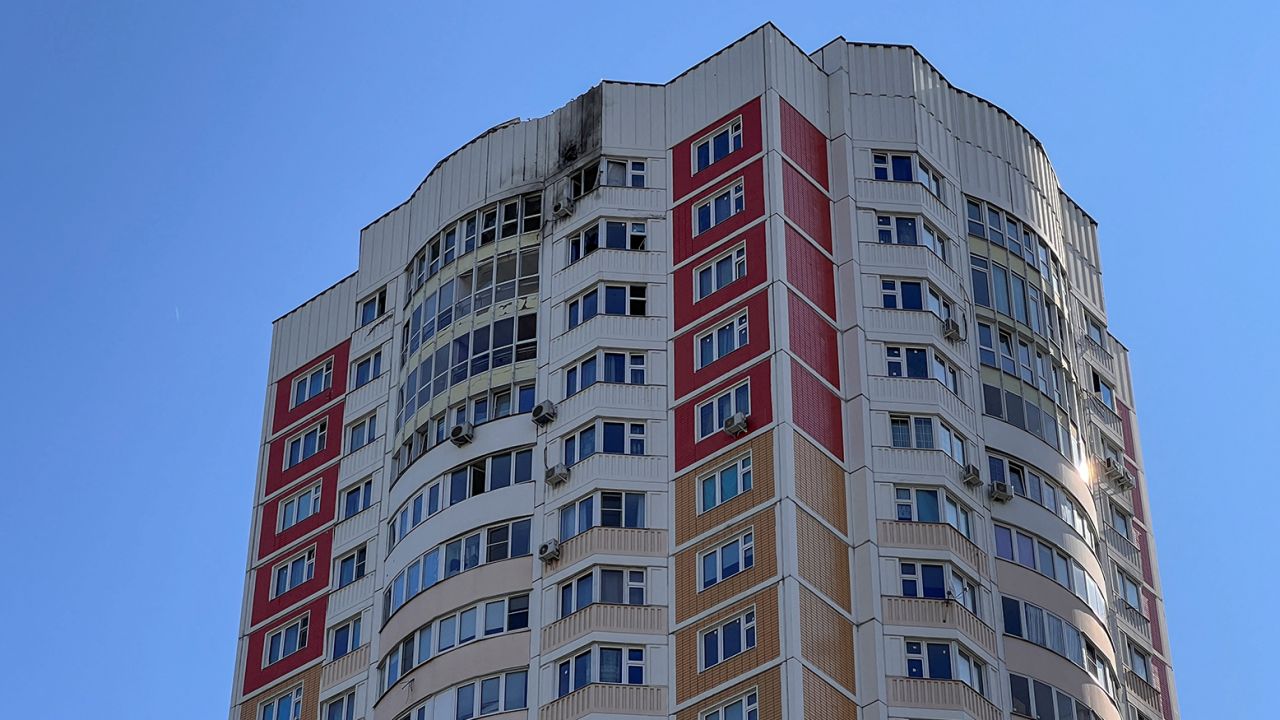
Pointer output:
x,y
322,322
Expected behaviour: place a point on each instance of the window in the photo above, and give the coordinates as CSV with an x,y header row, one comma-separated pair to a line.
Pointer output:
x,y
610,367
351,567
494,543
1035,554
895,168
1039,626
945,661
615,665
346,637
726,483
299,508
909,295
367,368
310,442
1095,331
294,572
356,499
720,272
722,206
616,438
923,580
373,307
914,362
363,433
714,413
1036,486
615,586
1130,590
926,433
1139,662
624,173
313,382
728,560
618,300
931,179
344,708
287,640
584,180
603,509
613,234
500,693
730,639
720,341
1121,522
285,707
718,145
458,628
746,707
1102,389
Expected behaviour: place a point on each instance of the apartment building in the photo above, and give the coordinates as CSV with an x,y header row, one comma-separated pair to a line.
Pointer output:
x,y
784,389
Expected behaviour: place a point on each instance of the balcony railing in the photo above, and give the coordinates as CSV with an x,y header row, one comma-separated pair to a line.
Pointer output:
x,y
612,541
608,396
607,699
347,666
1108,420
932,536
1133,617
918,257
1098,354
880,192
604,467
1143,690
617,263
608,328
355,526
348,597
941,695
922,391
927,612
601,617
1123,546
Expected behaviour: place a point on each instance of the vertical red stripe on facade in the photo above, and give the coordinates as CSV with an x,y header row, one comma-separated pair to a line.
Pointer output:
x,y
286,415
816,410
686,310
1144,544
810,272
278,476
803,143
686,379
264,606
806,206
814,340
256,676
684,180
684,244
1162,679
1149,600
688,449
270,541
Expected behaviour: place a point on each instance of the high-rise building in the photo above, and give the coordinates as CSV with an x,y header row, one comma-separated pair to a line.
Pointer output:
x,y
784,389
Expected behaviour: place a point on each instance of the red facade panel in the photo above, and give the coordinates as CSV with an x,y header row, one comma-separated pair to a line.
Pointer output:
x,y
278,476
1149,600
1144,544
285,413
688,450
269,540
806,206
687,310
814,340
257,676
811,272
816,410
803,143
264,606
685,244
686,378
683,178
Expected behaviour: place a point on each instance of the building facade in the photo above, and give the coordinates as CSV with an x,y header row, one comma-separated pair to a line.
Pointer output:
x,y
781,390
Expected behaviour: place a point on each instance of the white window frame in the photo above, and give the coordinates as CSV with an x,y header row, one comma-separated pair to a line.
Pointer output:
x,y
744,483
355,636
270,710
739,331
300,441
734,139
308,560
302,624
345,707
746,630
326,369
592,505
288,513
745,542
374,361
719,418
750,703
734,192
737,257
367,428
569,588
378,299
359,558
364,498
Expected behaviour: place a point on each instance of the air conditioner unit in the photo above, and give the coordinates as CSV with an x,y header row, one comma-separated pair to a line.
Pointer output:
x,y
557,475
1126,481
549,550
562,206
544,412
1114,469
951,330
736,424
462,433
971,476
1000,491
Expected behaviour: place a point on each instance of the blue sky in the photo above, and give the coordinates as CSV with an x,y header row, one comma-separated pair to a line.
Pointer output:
x,y
174,176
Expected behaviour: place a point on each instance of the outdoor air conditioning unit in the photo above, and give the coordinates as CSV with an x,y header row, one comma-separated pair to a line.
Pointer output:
x,y
951,330
557,475
562,206
1126,481
736,424
462,433
544,412
1114,470
971,476
1000,491
549,550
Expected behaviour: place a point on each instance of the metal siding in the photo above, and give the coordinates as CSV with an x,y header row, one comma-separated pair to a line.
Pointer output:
x,y
321,323
723,82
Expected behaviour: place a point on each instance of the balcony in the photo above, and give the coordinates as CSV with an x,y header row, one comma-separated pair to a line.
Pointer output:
x,y
1097,354
916,257
922,391
599,617
932,536
365,339
941,695
608,699
352,596
605,397
364,460
604,467
1123,547
926,612
1132,617
355,527
881,193
1108,420
1144,691
611,541
610,264
611,197
367,396
911,322
607,329
345,667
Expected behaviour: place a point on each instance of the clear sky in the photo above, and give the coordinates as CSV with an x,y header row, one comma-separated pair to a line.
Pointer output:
x,y
174,176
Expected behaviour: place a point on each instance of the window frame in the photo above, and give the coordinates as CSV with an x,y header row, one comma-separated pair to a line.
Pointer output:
x,y
733,140
737,257
325,368
744,482
719,413
746,631
316,491
321,428
738,329
734,192
745,542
